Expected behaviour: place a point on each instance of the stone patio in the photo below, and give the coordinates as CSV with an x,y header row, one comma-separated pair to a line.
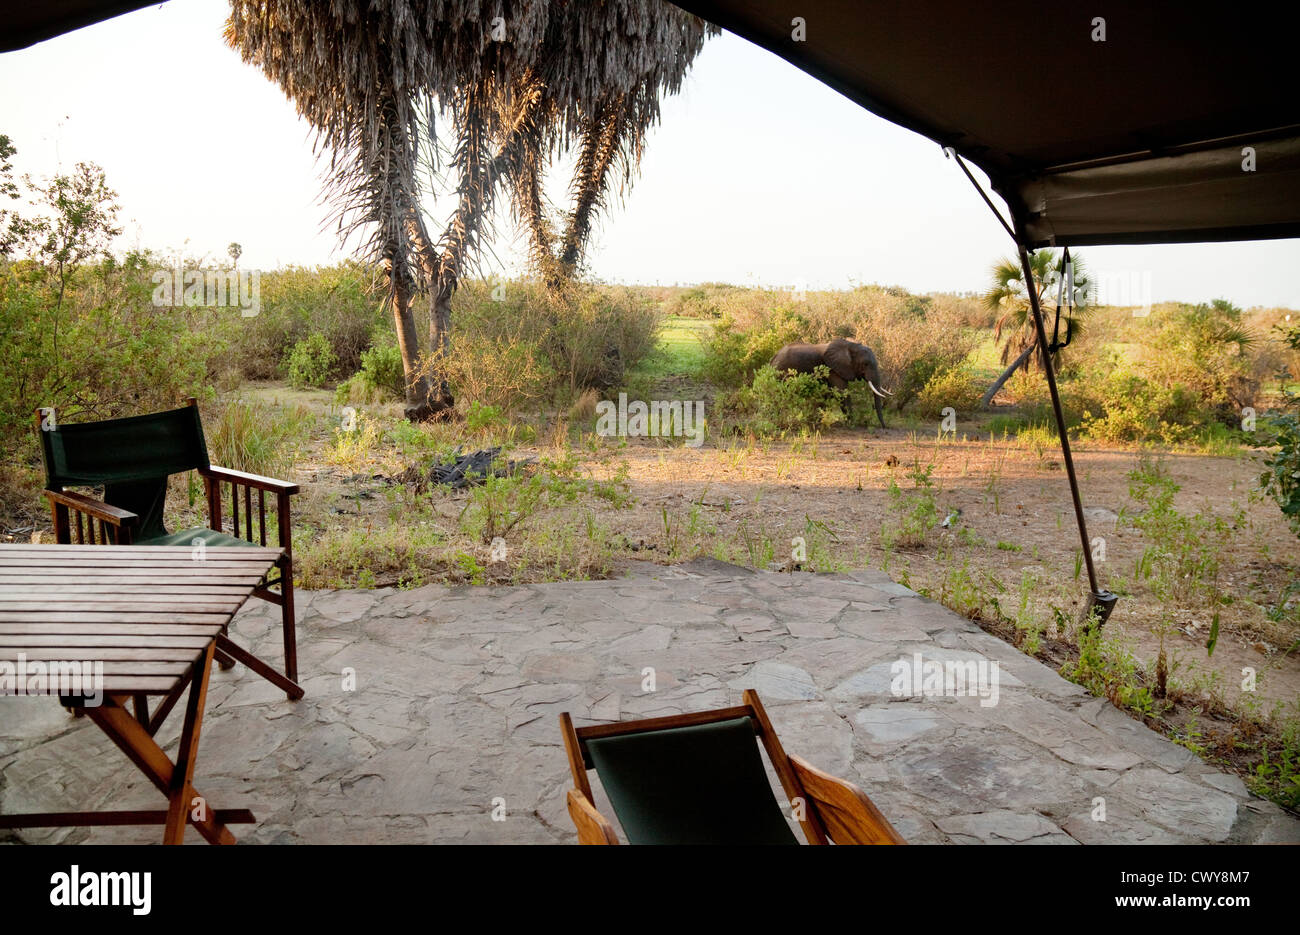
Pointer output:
x,y
457,691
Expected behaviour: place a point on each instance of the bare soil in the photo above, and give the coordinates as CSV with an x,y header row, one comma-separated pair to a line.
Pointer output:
x,y
842,481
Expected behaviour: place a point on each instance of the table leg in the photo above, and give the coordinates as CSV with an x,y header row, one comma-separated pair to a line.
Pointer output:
x,y
165,706
141,701
173,780
181,795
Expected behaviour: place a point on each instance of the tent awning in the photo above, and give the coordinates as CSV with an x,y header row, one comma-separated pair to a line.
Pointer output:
x,y
27,22
1145,136
1139,123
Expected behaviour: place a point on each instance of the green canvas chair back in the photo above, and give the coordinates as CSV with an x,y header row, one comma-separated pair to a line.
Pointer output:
x,y
131,458
703,784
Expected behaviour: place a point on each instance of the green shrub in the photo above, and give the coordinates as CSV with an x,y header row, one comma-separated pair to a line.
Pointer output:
x,y
911,515
343,303
501,504
1281,477
1108,669
914,376
481,417
733,356
312,362
955,388
1135,408
778,402
695,303
1180,375
381,368
1181,559
107,351
1204,349
381,377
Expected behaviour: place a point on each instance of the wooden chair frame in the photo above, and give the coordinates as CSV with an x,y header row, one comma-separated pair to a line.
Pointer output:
x,y
834,811
72,511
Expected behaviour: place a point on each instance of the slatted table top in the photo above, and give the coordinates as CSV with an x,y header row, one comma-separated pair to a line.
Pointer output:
x,y
145,612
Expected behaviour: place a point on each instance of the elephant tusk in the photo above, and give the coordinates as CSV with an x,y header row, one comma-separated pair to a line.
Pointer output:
x,y
876,391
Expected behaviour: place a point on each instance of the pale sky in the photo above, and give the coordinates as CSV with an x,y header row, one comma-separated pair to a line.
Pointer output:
x,y
758,174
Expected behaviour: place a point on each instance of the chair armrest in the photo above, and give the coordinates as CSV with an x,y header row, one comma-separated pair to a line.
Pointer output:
x,y
256,481
848,815
92,507
591,824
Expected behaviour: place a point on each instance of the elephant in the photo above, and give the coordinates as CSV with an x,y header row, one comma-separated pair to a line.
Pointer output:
x,y
847,361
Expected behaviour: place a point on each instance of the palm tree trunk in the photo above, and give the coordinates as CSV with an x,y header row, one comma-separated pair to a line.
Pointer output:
x,y
438,401
1016,364
408,343
439,345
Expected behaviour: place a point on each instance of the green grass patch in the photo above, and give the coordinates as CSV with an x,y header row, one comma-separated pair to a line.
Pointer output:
x,y
678,349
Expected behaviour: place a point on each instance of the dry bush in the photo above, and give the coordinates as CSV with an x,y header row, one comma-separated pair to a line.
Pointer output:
x,y
21,503
914,337
1027,389
583,410
913,351
508,373
1271,354
586,337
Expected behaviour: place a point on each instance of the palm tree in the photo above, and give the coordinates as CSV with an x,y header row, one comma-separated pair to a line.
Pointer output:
x,y
1008,296
607,126
361,75
372,76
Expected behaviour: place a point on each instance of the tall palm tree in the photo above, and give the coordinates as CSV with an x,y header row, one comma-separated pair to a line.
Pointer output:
x,y
1008,296
361,74
512,84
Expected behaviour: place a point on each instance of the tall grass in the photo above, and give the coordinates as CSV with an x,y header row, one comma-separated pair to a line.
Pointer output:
x,y
514,345
255,436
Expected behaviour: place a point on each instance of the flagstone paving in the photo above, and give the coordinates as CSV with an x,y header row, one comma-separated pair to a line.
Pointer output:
x,y
431,717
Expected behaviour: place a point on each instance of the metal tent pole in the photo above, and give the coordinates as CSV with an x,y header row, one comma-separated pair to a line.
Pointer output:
x,y
1099,602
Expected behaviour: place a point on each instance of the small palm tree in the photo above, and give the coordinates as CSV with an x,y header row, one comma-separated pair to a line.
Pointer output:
x,y
1008,296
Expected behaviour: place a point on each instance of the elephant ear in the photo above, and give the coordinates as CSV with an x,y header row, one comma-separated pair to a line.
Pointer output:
x,y
839,358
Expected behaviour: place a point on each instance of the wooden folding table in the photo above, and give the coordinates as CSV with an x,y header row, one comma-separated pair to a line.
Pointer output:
x,y
149,620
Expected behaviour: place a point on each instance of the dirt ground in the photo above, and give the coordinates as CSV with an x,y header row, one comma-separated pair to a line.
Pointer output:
x,y
730,492
844,485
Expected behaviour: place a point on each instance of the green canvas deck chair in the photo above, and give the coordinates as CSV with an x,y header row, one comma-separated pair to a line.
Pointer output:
x,y
131,459
699,779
